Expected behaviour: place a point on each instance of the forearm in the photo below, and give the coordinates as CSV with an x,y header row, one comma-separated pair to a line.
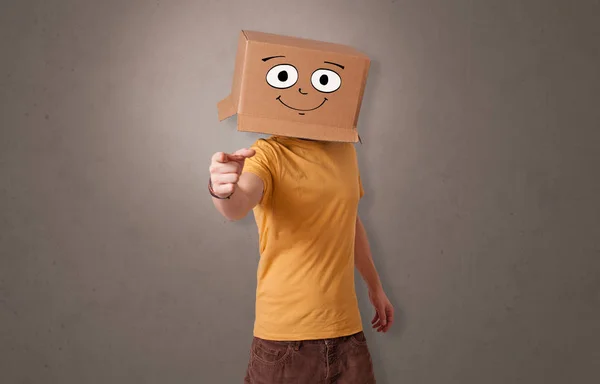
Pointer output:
x,y
363,259
234,208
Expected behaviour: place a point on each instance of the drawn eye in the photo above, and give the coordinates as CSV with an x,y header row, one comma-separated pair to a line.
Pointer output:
x,y
326,80
282,76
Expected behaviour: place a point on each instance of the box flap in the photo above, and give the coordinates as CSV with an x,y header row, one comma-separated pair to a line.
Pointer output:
x,y
226,108
229,105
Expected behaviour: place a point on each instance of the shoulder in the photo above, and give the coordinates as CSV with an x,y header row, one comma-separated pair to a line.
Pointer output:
x,y
265,144
267,150
347,156
346,149
351,147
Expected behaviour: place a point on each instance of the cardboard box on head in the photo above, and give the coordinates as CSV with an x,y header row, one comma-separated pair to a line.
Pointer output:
x,y
296,87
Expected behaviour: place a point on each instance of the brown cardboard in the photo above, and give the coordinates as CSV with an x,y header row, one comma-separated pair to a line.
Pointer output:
x,y
296,87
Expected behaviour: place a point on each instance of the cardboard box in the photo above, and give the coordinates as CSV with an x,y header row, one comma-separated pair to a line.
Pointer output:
x,y
296,87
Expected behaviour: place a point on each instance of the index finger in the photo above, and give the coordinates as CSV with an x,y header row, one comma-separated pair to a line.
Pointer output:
x,y
220,157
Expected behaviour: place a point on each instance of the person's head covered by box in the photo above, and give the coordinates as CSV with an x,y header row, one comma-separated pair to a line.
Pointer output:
x,y
296,87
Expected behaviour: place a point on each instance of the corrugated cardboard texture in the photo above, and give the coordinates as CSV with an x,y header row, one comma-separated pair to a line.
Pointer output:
x,y
311,106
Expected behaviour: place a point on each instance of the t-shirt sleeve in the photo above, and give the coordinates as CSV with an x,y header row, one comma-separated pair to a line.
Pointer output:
x,y
262,164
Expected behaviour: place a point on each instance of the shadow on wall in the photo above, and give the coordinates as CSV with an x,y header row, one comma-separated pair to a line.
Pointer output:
x,y
367,113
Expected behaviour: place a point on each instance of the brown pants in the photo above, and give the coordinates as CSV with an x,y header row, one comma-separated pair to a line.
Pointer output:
x,y
343,360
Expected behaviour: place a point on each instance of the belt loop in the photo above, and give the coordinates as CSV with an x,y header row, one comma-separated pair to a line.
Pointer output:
x,y
296,345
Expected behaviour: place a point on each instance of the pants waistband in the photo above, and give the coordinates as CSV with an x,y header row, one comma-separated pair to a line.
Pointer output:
x,y
334,340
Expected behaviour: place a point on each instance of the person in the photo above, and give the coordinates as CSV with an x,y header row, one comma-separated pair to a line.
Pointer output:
x,y
304,195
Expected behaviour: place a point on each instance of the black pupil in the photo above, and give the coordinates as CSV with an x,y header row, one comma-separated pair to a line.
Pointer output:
x,y
282,76
323,79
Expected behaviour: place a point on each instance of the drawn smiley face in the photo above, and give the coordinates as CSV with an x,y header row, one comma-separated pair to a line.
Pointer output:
x,y
285,78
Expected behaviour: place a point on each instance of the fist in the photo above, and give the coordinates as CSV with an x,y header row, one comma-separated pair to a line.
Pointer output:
x,y
225,170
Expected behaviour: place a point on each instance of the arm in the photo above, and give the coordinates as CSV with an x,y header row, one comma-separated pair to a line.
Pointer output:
x,y
363,261
239,192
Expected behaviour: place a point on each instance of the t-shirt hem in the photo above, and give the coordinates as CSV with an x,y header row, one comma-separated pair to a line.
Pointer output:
x,y
307,336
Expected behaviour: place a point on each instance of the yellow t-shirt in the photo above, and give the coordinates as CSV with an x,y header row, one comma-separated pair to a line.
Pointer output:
x,y
306,223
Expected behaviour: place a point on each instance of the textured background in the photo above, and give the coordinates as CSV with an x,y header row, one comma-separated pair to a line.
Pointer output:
x,y
481,130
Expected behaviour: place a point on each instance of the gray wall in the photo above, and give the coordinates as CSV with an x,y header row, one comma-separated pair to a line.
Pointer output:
x,y
480,162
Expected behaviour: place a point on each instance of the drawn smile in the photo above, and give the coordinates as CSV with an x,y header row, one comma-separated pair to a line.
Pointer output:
x,y
301,110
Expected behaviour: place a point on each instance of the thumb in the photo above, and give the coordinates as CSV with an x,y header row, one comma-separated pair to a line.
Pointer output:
x,y
245,153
